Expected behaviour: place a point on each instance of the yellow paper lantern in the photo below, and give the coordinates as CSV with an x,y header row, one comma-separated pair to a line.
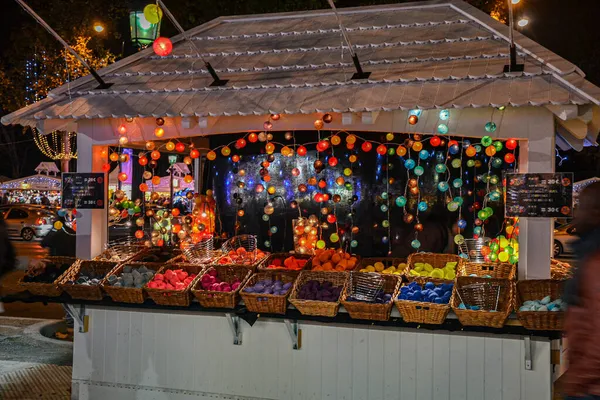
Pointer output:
x,y
114,157
58,225
211,155
170,146
335,140
159,132
417,146
271,190
153,13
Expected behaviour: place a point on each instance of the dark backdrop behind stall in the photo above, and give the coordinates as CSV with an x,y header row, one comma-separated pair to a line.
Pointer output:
x,y
369,181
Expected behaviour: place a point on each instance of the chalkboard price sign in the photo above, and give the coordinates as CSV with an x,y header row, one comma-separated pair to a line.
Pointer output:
x,y
539,195
83,190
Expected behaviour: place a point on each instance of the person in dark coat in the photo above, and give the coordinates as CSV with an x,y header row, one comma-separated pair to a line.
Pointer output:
x,y
582,294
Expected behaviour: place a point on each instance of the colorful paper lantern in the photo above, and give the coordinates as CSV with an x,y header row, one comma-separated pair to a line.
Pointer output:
x,y
366,146
162,46
180,147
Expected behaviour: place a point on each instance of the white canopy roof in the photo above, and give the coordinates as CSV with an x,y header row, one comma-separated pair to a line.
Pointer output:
x,y
47,168
34,182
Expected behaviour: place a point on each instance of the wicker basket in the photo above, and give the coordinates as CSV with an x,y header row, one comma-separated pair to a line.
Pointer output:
x,y
386,261
495,270
479,291
48,289
423,312
214,256
436,261
282,256
267,303
123,294
159,256
537,290
318,307
179,298
121,252
371,311
313,264
212,299
86,292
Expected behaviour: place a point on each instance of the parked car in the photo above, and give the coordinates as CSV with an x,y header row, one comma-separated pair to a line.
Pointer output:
x,y
27,223
564,236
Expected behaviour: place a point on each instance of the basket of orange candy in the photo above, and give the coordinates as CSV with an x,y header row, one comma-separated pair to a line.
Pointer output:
x,y
293,263
333,260
243,258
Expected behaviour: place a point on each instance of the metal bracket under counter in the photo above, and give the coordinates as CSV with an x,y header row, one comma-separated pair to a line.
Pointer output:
x,y
77,312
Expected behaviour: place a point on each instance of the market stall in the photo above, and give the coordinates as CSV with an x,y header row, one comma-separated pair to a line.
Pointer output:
x,y
300,157
33,189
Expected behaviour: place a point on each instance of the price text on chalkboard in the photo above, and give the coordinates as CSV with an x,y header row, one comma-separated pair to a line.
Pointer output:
x,y
539,195
83,191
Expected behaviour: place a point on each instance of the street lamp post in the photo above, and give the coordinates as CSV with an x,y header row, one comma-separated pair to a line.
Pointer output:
x,y
143,33
513,66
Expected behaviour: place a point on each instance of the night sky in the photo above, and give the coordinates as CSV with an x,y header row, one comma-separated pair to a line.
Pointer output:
x,y
569,28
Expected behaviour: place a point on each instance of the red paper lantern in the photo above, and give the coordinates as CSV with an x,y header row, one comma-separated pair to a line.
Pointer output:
x,y
139,234
322,184
381,150
366,146
332,161
318,197
180,147
331,219
155,155
106,168
253,138
240,144
301,151
511,144
350,146
175,212
122,129
435,141
509,158
143,187
194,153
326,197
143,161
122,177
322,145
235,158
162,46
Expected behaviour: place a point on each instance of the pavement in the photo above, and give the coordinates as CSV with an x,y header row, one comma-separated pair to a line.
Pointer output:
x,y
31,366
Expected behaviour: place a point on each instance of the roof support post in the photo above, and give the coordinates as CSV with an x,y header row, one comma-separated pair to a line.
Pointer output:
x,y
92,227
537,154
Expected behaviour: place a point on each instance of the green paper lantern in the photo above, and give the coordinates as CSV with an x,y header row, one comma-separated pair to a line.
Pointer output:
x,y
498,145
440,168
400,201
490,127
419,171
470,163
456,163
442,129
486,141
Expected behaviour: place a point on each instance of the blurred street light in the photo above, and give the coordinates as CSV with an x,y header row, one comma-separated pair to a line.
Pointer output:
x,y
98,27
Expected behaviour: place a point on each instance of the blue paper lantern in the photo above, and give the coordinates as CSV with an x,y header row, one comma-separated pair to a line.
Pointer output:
x,y
415,244
442,129
423,206
462,224
423,154
443,187
457,183
409,164
444,115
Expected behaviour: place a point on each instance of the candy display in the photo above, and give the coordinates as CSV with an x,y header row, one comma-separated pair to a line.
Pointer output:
x,y
430,292
380,267
212,281
241,256
48,274
448,272
322,291
267,286
131,277
177,279
545,304
290,263
87,277
333,260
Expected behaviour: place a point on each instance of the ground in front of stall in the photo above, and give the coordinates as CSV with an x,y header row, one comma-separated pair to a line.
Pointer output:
x,y
30,366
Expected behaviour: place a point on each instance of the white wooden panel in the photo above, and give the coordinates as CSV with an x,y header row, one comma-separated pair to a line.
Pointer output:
x,y
493,368
135,347
360,367
475,365
375,363
122,347
345,363
441,367
408,365
458,367
186,355
391,371
424,366
511,377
